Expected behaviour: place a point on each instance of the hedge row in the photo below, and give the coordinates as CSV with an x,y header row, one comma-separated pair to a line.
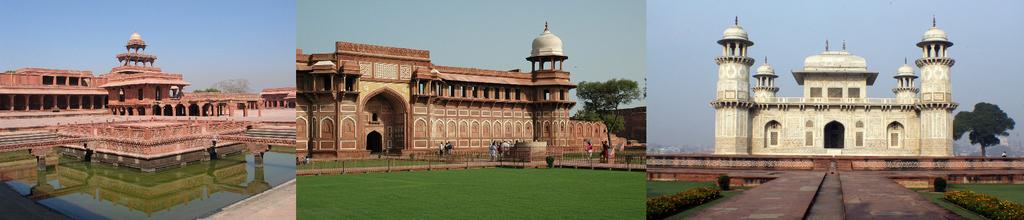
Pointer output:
x,y
986,205
665,206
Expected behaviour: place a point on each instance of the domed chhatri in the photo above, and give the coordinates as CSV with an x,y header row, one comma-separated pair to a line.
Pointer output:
x,y
905,70
547,44
136,40
765,68
736,33
934,34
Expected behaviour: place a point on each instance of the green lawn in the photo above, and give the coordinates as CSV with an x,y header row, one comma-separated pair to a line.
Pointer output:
x,y
1012,192
487,193
660,188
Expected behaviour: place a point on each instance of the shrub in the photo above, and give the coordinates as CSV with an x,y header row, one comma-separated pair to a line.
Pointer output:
x,y
665,206
986,205
723,182
940,184
550,160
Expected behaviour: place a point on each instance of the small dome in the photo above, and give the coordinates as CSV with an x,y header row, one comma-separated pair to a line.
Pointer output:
x,y
765,69
135,36
905,70
835,60
934,34
547,44
735,32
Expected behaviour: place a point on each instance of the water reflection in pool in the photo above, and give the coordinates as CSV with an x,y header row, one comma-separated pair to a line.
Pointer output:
x,y
84,190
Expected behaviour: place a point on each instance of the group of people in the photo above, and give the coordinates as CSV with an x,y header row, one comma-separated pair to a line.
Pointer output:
x,y
606,150
445,148
499,148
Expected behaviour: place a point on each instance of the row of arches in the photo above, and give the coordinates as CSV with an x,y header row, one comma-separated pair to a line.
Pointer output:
x,y
193,109
834,134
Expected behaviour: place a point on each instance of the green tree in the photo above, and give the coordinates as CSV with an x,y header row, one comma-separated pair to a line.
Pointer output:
x,y
982,125
208,90
601,99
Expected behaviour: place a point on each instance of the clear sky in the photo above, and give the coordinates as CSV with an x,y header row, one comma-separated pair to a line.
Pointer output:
x,y
681,39
603,38
206,41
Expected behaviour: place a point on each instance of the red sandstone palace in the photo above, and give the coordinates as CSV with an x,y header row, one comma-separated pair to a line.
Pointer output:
x,y
136,87
361,99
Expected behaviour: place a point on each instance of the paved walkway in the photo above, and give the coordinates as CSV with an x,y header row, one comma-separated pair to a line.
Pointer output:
x,y
787,197
828,204
815,195
277,203
869,196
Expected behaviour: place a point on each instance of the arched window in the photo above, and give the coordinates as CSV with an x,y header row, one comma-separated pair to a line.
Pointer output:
x,y
771,133
895,131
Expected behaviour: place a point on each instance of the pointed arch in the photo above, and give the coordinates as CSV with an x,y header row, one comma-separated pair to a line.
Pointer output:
x,y
348,128
894,133
772,131
326,128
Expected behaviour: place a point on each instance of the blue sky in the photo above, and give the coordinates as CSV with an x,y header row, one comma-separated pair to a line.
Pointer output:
x,y
603,38
681,39
206,41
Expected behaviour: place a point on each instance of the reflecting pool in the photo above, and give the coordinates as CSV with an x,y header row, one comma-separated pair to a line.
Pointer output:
x,y
85,190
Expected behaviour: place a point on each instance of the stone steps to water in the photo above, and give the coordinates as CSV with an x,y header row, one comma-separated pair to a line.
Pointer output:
x,y
26,137
271,133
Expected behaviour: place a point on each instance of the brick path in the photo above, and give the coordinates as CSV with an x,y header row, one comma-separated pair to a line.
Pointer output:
x,y
813,195
787,197
868,196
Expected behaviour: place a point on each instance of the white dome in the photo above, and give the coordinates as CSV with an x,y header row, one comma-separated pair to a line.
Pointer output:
x,y
135,36
934,34
765,69
905,70
835,60
547,44
735,32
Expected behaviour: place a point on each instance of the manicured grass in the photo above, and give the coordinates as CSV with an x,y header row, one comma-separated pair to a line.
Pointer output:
x,y
660,188
936,198
1012,192
361,163
487,193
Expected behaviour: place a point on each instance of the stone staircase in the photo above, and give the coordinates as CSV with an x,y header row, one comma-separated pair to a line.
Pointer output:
x,y
280,133
28,137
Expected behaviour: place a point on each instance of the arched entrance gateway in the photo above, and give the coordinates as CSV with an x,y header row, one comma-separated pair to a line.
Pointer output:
x,y
834,135
383,117
374,142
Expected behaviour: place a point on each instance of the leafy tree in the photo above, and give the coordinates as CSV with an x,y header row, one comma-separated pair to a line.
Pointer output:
x,y
600,99
208,90
233,85
983,125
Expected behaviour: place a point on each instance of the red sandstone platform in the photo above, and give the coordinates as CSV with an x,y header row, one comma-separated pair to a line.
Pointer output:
x,y
787,197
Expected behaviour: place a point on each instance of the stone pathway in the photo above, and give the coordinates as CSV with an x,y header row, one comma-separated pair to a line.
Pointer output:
x,y
816,195
828,204
277,203
787,197
868,196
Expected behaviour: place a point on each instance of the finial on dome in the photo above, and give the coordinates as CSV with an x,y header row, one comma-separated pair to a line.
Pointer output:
x,y
844,45
765,59
904,60
933,20
826,44
545,26
737,22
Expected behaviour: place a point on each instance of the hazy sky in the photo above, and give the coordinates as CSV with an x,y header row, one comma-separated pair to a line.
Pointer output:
x,y
206,41
681,39
603,39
